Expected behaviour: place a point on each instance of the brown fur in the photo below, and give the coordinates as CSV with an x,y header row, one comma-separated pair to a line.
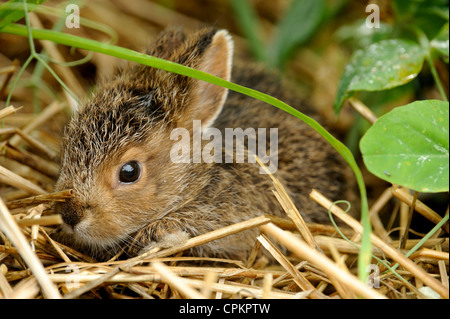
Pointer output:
x,y
131,117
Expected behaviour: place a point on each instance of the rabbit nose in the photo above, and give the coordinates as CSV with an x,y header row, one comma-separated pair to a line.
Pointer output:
x,y
70,215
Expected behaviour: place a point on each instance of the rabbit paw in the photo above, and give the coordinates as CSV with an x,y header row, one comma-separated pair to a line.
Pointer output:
x,y
170,240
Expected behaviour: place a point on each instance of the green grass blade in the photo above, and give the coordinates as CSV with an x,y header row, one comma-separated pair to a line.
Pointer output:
x,y
10,13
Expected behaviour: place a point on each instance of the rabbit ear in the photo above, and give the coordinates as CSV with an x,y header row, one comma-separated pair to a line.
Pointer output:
x,y
168,42
207,99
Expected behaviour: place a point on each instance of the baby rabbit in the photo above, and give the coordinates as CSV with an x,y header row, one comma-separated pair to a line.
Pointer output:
x,y
130,194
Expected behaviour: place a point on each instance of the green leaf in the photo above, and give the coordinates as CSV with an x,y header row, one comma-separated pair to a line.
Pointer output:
x,y
409,146
440,43
298,25
12,11
383,65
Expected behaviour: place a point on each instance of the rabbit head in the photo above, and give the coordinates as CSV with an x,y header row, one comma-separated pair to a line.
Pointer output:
x,y
116,148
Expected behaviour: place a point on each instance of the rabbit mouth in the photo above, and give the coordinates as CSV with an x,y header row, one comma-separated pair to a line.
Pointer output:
x,y
86,240
102,242
98,247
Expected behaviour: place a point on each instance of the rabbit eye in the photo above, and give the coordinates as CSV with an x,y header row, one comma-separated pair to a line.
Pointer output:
x,y
130,172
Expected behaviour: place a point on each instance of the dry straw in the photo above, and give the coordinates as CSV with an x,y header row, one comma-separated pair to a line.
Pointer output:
x,y
386,248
